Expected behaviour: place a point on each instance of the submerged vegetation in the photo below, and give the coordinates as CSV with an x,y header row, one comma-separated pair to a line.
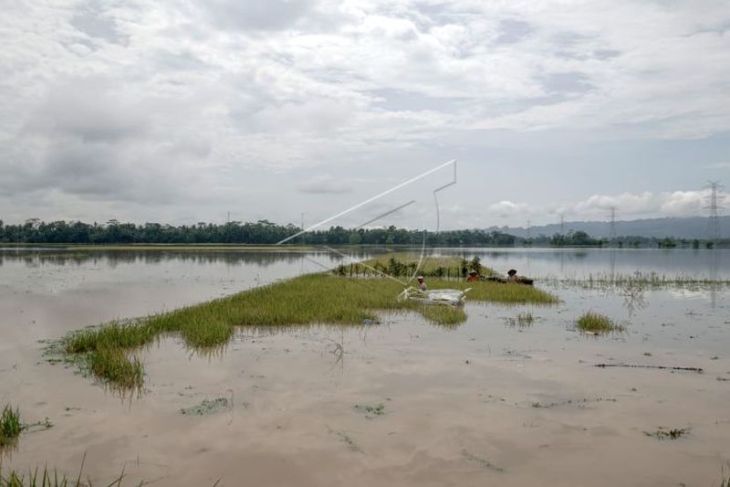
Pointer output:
x,y
371,411
522,320
208,406
640,281
597,323
48,478
443,315
668,434
10,426
108,351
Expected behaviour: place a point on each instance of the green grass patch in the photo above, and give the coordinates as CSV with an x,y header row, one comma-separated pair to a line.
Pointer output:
x,y
113,335
115,365
597,323
10,426
495,292
306,300
443,315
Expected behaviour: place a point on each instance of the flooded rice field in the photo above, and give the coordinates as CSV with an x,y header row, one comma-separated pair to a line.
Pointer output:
x,y
498,400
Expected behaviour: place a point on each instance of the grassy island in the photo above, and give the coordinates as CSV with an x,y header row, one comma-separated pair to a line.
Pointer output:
x,y
324,298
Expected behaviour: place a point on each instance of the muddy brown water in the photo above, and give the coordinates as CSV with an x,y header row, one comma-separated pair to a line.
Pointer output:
x,y
400,403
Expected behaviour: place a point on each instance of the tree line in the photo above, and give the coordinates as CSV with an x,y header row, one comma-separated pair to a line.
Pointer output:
x,y
35,231
260,232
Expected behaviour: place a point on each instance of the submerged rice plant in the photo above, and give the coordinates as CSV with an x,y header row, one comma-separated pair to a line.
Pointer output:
x,y
48,478
522,320
114,365
443,315
597,323
650,280
525,319
10,425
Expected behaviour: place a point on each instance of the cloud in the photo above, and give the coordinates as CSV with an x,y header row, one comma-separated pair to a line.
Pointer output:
x,y
324,185
512,30
87,138
96,23
566,83
506,209
627,206
719,165
157,103
624,203
247,15
630,205
89,109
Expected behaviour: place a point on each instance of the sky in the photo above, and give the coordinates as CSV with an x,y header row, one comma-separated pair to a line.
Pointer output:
x,y
179,111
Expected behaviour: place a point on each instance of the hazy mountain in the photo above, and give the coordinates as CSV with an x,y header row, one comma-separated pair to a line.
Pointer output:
x,y
689,227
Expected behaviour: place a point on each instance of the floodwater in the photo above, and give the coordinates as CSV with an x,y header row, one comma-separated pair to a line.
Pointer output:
x,y
400,403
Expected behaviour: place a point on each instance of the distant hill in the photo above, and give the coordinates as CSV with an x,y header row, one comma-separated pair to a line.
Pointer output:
x,y
689,228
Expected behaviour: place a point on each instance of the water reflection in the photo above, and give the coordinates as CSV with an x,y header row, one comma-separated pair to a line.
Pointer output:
x,y
536,262
38,258
634,293
583,263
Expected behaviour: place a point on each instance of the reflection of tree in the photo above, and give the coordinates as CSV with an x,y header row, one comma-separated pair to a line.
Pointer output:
x,y
634,294
35,258
714,263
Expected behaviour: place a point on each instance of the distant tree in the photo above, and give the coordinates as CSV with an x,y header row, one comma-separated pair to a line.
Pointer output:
x,y
355,238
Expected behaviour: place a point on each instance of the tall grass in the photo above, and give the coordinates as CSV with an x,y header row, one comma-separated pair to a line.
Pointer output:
x,y
305,300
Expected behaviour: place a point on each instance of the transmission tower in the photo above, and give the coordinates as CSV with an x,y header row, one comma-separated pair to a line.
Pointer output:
x,y
612,229
713,224
562,224
529,231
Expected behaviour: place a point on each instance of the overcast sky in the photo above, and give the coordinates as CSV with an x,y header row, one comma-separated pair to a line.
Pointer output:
x,y
182,111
